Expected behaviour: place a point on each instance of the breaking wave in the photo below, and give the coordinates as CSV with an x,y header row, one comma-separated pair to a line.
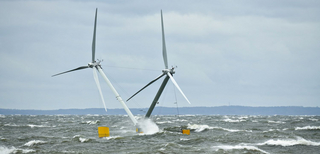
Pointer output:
x,y
6,150
232,120
290,142
91,122
112,137
308,128
39,126
200,128
34,142
238,147
276,122
80,139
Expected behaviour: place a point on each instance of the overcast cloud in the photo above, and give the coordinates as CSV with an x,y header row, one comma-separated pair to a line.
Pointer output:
x,y
249,53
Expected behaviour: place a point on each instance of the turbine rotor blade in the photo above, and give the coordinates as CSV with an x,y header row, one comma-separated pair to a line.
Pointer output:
x,y
79,68
94,37
146,86
95,76
175,83
164,50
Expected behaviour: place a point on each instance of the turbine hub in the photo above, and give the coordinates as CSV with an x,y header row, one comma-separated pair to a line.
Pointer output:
x,y
171,71
94,64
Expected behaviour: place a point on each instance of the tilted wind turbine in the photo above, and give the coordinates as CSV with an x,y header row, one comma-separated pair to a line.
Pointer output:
x,y
95,65
168,72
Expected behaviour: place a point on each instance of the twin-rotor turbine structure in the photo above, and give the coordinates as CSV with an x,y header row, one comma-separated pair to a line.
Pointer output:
x,y
96,66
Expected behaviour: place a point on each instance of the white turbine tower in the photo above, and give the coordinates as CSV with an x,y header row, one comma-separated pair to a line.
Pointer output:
x,y
168,72
95,65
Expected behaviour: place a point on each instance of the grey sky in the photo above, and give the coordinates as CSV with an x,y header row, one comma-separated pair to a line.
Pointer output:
x,y
250,53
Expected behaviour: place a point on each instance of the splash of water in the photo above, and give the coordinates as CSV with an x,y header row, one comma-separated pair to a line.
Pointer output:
x,y
148,126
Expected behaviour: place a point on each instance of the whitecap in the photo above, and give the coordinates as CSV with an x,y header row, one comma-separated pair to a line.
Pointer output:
x,y
111,137
290,142
308,128
271,130
238,147
276,122
34,142
12,125
4,149
312,119
199,128
93,122
122,127
92,115
231,120
229,130
184,139
243,117
83,139
162,149
24,151
181,120
32,126
164,122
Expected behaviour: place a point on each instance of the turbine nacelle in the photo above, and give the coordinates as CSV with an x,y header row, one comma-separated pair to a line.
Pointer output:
x,y
171,71
95,63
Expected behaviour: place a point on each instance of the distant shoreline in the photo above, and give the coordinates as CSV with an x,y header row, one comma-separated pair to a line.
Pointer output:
x,y
219,110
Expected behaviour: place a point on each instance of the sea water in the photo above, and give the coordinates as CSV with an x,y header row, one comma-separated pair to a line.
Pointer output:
x,y
162,134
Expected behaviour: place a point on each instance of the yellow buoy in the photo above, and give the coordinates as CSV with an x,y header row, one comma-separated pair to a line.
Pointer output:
x,y
103,131
186,131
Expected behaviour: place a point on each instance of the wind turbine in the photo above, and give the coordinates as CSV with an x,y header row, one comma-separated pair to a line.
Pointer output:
x,y
168,72
95,65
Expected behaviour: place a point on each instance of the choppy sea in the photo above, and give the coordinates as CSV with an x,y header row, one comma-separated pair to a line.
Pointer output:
x,y
209,134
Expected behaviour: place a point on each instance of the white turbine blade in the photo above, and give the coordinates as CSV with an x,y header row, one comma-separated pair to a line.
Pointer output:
x,y
164,50
175,83
94,37
125,107
95,76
